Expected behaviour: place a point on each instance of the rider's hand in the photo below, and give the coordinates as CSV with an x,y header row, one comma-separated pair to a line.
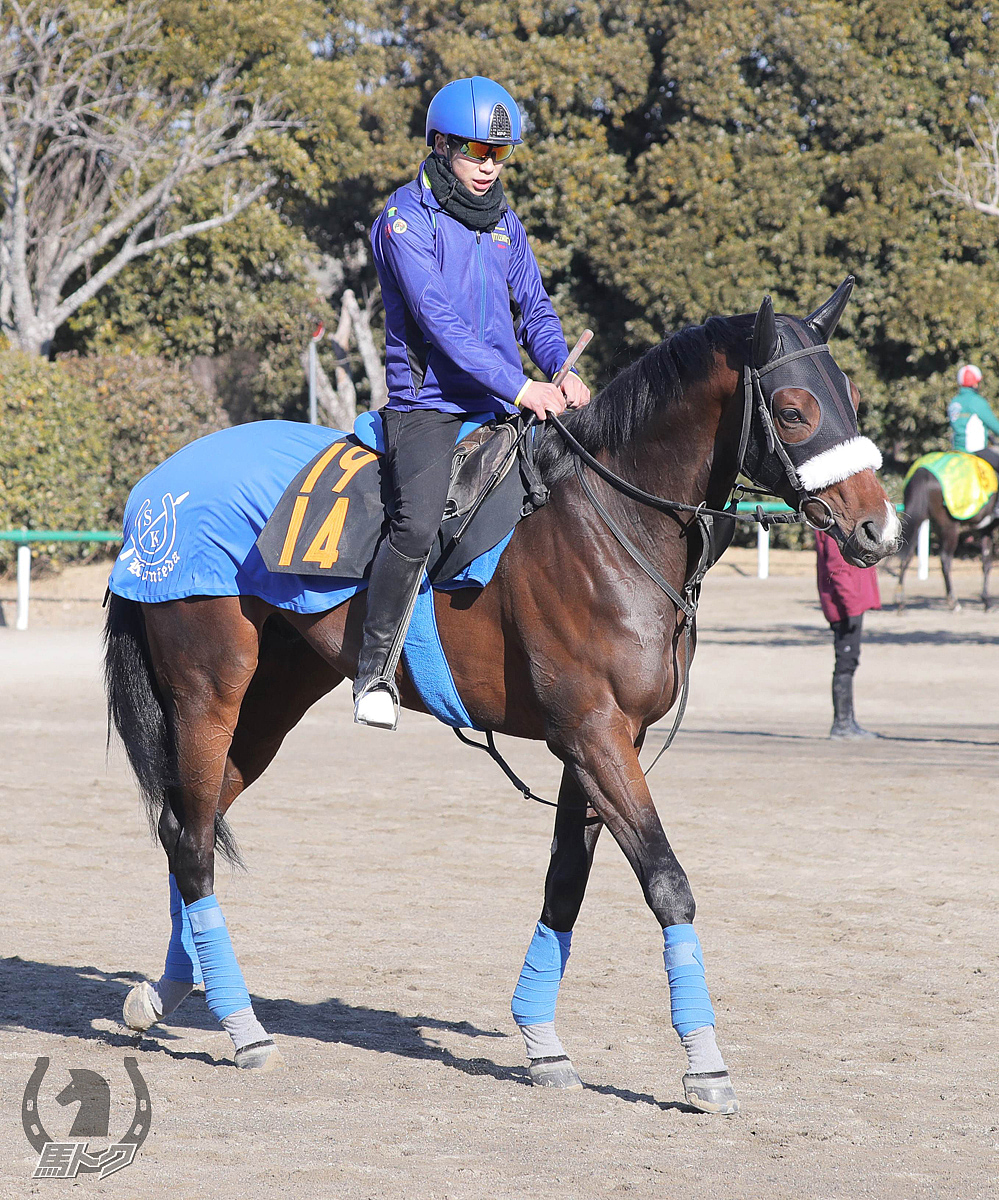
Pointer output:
x,y
577,394
542,399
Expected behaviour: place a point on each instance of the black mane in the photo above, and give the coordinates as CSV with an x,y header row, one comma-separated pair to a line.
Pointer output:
x,y
627,405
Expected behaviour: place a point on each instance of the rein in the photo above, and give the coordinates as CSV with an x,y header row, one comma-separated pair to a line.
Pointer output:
x,y
701,516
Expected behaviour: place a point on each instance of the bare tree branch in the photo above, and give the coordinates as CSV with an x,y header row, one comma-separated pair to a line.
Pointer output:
x,y
95,155
133,249
975,181
340,341
373,366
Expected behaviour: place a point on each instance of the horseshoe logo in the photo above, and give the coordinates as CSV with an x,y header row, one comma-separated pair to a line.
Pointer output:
x,y
143,1116
33,1127
38,1136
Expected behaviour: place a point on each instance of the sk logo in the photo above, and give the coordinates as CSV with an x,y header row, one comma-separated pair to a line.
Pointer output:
x,y
64,1160
151,543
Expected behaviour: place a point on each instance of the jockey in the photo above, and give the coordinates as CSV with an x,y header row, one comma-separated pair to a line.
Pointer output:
x,y
452,261
970,414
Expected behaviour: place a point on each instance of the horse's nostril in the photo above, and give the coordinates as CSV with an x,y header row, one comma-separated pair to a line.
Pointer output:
x,y
872,534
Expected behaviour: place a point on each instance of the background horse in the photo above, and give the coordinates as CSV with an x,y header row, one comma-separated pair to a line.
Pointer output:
x,y
924,501
580,639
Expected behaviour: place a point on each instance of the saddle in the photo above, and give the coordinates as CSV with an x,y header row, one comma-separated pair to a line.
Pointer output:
x,y
968,481
333,514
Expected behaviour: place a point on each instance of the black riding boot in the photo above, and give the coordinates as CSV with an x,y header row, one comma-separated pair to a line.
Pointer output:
x,y
844,725
392,588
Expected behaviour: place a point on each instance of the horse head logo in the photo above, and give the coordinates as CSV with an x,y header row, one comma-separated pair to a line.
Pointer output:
x,y
93,1095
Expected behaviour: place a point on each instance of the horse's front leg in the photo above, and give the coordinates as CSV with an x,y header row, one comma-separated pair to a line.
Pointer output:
x,y
948,548
604,762
536,993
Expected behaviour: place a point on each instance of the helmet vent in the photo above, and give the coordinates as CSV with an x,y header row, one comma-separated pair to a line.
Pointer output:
x,y
500,126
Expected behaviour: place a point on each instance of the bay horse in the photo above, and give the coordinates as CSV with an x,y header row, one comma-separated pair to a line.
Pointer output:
x,y
923,501
583,638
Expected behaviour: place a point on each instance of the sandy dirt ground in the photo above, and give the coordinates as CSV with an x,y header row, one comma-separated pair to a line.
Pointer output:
x,y
847,903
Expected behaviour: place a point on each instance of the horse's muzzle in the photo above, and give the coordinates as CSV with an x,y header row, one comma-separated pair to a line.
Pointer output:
x,y
873,538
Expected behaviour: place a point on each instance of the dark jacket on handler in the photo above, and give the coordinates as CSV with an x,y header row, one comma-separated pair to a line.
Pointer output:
x,y
450,341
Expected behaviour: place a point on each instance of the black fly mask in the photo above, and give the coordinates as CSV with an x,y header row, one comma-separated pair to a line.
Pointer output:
x,y
791,353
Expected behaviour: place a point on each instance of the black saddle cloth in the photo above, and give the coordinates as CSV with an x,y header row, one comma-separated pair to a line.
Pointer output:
x,y
333,514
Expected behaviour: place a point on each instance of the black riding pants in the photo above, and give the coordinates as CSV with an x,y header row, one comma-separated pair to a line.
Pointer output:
x,y
419,447
847,635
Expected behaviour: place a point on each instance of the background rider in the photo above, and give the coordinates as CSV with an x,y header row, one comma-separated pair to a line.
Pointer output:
x,y
970,414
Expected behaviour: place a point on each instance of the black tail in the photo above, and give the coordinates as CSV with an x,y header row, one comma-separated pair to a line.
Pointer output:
x,y
139,714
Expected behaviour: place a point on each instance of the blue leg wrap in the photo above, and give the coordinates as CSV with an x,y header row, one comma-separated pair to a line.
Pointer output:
x,y
225,990
537,988
182,957
690,1004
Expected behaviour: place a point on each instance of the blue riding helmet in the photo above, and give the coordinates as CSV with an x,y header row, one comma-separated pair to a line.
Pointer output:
x,y
478,109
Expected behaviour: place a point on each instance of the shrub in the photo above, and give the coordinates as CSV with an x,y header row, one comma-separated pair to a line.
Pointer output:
x,y
53,456
77,434
149,409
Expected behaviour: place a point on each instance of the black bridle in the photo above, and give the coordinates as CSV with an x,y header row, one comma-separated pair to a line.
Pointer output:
x,y
701,517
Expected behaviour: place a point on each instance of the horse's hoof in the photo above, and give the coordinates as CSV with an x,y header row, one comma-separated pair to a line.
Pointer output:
x,y
139,1010
259,1056
555,1073
711,1092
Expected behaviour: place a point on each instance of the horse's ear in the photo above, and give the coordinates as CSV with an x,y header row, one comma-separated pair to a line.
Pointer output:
x,y
764,334
826,317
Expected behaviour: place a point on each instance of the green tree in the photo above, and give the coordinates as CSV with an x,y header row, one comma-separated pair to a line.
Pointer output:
x,y
247,295
95,146
684,158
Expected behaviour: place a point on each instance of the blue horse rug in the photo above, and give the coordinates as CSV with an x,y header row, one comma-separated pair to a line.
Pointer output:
x,y
192,523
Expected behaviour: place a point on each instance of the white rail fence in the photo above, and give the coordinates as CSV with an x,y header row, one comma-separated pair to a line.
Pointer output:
x,y
25,536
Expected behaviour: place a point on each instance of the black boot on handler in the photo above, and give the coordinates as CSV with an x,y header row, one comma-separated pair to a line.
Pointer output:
x,y
844,725
392,589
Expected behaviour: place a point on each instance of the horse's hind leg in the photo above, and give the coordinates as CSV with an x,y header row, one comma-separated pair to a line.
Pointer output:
x,y
604,762
290,677
536,993
204,655
987,551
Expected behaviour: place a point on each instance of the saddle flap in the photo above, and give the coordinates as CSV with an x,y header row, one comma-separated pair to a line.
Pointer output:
x,y
476,457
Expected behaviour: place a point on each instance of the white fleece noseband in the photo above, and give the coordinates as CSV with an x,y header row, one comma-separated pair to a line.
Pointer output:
x,y
839,463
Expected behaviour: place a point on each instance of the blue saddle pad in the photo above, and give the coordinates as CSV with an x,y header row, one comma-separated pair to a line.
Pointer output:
x,y
191,526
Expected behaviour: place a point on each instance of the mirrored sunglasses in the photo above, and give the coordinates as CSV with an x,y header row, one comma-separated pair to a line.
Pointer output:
x,y
480,151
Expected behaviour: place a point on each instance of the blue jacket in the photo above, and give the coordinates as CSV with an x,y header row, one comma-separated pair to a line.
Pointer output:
x,y
450,340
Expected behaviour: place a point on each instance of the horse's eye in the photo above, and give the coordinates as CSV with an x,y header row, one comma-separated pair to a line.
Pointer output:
x,y
790,415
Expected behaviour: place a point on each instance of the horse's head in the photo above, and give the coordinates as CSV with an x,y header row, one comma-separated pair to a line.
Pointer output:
x,y
802,440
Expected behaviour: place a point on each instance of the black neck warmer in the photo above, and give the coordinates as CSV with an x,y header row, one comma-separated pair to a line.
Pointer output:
x,y
480,213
